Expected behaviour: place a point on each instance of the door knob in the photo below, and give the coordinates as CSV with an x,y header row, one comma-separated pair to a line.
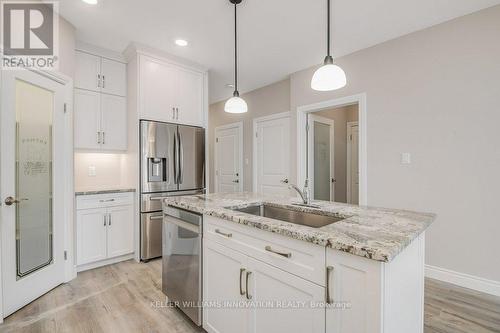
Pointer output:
x,y
334,180
9,201
236,181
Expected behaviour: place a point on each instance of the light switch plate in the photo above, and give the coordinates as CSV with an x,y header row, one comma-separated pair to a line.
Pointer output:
x,y
405,158
91,170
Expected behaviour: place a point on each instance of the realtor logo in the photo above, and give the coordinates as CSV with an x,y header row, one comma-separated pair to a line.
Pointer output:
x,y
29,34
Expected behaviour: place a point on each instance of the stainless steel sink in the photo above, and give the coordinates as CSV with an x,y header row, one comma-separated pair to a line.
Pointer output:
x,y
289,215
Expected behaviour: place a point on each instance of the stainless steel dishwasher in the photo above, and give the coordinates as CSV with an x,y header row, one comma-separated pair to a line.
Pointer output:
x,y
181,265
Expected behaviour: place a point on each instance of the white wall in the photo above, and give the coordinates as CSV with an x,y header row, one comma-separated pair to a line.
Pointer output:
x,y
435,94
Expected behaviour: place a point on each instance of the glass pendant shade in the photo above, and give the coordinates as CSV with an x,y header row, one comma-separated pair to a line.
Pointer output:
x,y
328,77
236,104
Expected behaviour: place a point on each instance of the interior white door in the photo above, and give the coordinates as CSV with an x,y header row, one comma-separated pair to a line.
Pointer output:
x,y
189,89
87,119
321,159
120,233
113,122
272,155
223,281
353,164
228,158
87,71
114,77
270,285
91,227
31,168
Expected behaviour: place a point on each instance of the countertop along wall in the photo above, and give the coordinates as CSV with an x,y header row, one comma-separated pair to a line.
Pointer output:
x,y
434,93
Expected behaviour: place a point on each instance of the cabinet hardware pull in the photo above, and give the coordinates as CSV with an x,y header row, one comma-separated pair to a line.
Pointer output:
x,y
104,81
103,138
242,270
104,218
98,137
107,200
173,113
246,285
236,181
98,80
329,270
177,112
217,231
270,249
109,219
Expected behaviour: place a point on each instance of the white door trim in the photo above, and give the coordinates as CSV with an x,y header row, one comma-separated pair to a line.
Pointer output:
x,y
359,99
239,126
350,125
70,264
254,141
331,123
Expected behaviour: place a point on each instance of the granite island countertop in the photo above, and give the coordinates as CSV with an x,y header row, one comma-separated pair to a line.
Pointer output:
x,y
375,233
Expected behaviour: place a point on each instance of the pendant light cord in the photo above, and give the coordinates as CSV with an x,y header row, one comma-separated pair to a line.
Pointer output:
x,y
235,52
328,28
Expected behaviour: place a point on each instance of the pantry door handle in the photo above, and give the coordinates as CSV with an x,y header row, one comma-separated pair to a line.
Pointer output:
x,y
246,285
242,270
329,270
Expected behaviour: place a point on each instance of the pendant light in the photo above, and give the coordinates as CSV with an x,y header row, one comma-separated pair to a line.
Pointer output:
x,y
329,76
235,104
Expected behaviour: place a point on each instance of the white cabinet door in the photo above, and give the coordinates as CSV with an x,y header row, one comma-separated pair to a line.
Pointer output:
x,y
223,280
114,77
114,122
91,235
120,236
87,69
87,119
189,101
295,304
357,281
157,90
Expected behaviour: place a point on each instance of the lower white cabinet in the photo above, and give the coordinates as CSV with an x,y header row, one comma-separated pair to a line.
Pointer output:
x,y
255,281
243,294
105,228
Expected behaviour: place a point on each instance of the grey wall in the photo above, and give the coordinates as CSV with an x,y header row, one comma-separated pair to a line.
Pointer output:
x,y
435,94
271,99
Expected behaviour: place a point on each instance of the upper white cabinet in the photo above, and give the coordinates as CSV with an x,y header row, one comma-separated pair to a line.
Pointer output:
x,y
100,74
100,121
100,106
170,92
114,77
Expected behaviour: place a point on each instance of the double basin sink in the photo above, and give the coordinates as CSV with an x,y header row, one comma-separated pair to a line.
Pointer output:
x,y
289,215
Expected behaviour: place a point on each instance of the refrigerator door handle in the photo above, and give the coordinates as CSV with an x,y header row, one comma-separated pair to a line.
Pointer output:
x,y
181,159
175,159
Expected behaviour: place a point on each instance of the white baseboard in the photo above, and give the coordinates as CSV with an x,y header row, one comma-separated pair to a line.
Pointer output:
x,y
105,262
463,280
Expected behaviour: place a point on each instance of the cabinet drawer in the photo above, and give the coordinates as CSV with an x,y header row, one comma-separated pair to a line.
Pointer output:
x,y
104,200
303,259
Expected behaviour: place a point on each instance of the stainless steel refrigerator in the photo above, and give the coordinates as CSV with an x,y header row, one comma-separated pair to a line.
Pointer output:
x,y
172,163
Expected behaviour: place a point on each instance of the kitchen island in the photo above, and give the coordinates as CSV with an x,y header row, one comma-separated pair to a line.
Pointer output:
x,y
363,272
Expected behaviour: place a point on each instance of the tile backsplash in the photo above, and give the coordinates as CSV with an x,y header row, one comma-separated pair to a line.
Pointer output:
x,y
99,170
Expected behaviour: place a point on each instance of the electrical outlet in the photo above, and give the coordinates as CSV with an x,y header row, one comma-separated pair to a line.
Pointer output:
x,y
405,158
91,170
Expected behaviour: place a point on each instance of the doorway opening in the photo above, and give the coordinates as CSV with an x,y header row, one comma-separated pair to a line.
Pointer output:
x,y
331,143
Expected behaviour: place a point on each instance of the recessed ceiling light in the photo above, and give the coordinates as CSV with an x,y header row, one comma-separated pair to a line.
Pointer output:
x,y
181,42
90,2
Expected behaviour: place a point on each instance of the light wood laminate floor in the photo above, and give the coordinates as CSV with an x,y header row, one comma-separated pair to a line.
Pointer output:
x,y
126,297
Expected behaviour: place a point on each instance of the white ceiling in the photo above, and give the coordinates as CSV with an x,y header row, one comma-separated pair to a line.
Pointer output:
x,y
276,37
